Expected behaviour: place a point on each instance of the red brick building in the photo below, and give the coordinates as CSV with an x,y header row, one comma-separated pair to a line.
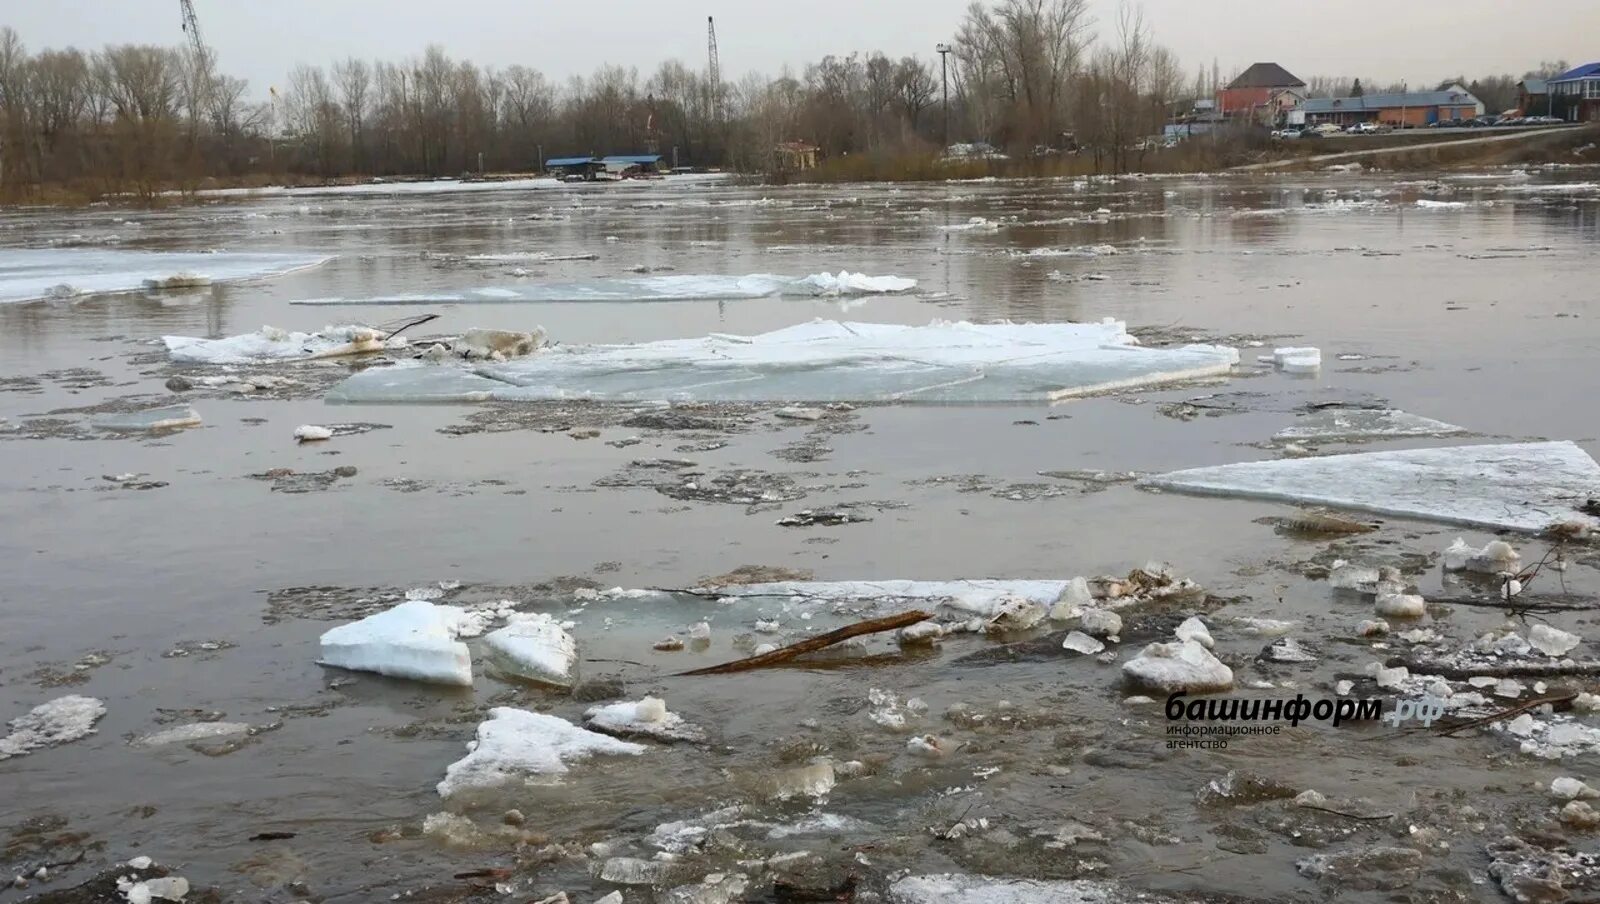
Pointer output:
x,y
1258,91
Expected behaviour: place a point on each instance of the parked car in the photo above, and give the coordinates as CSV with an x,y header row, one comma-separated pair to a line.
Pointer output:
x,y
1326,128
1289,134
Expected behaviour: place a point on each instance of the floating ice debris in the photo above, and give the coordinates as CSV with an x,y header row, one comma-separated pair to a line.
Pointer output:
x,y
1079,642
1185,666
1297,360
310,433
985,598
1287,649
1495,557
60,721
821,361
1580,815
1073,602
183,280
646,718
952,887
1389,678
31,273
1515,486
1100,622
634,871
1348,576
700,631
1400,605
976,224
497,345
515,745
1565,788
186,734
1194,629
800,414
1015,614
1263,627
536,647
923,632
925,745
163,888
677,287
1380,867
1552,641
415,639
1373,628
273,344
1342,424
815,779
152,420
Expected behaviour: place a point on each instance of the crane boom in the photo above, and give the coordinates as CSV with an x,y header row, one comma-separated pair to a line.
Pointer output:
x,y
202,56
713,68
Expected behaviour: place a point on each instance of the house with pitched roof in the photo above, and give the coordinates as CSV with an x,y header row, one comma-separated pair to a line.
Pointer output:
x,y
1264,92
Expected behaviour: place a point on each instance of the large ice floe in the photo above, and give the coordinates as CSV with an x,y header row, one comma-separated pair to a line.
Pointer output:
x,y
272,344
821,361
517,746
1513,486
677,287
938,889
415,639
535,647
27,274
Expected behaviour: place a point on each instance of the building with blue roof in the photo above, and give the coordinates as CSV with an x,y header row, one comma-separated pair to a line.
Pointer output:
x,y
1411,109
1575,94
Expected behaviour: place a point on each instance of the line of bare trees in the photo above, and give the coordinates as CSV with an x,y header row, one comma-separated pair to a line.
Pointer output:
x,y
1024,74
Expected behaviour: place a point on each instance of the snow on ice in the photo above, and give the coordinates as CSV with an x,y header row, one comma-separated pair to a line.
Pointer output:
x,y
819,361
1514,486
1184,666
645,718
27,274
272,344
676,287
59,721
515,745
415,639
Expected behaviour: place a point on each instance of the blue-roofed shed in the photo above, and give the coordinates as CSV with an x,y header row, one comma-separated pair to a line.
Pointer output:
x,y
574,167
1575,94
632,164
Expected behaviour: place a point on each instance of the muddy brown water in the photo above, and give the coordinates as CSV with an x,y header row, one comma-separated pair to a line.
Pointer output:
x,y
1483,316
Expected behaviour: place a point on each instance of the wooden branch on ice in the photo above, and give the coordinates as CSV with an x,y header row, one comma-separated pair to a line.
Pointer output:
x,y
1555,701
813,644
1461,672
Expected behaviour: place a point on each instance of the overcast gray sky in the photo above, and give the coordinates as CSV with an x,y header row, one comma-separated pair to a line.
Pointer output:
x,y
1415,40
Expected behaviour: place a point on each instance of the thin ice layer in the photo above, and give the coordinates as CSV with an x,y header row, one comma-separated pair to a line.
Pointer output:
x,y
415,639
677,287
60,721
980,597
151,420
1361,423
515,745
1512,486
825,361
30,273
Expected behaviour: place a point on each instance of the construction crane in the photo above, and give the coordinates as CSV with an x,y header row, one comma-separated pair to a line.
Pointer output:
x,y
202,56
713,69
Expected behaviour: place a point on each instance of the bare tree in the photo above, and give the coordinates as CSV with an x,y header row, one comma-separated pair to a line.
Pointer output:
x,y
354,78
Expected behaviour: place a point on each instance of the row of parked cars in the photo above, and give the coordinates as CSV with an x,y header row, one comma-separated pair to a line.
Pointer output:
x,y
1484,121
1375,128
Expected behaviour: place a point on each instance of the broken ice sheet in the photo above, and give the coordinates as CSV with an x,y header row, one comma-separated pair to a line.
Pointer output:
x,y
59,721
677,287
273,344
1513,486
939,889
31,273
415,639
152,420
1343,424
515,745
823,361
979,597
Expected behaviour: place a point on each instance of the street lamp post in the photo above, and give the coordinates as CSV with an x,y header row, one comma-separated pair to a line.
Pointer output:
x,y
944,78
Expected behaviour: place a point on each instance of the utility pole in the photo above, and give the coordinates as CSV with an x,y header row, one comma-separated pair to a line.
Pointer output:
x,y
944,77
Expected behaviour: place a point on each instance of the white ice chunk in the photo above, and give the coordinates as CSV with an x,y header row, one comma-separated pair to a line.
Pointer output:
x,y
273,344
957,887
1514,486
310,433
1340,424
1298,360
536,647
1552,641
1079,642
30,273
648,717
515,745
1495,557
1565,788
1185,666
827,361
1194,629
1073,601
151,420
1100,623
60,721
1400,605
415,639
187,734
986,598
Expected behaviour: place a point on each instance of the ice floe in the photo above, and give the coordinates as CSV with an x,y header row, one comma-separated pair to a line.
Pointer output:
x,y
1512,486
939,889
415,639
515,745
536,647
644,718
151,420
27,274
676,287
272,344
821,361
59,721
1185,666
1341,424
